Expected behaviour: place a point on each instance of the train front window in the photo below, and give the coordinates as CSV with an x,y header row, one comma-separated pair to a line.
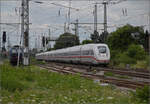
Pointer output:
x,y
101,49
14,51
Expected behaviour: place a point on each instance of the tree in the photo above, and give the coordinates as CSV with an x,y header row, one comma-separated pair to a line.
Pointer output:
x,y
103,37
87,41
124,36
66,40
136,52
95,37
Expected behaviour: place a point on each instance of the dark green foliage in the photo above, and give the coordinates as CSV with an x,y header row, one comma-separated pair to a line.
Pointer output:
x,y
126,45
99,38
124,58
87,41
109,74
50,49
136,52
103,37
95,37
142,94
130,56
66,40
122,38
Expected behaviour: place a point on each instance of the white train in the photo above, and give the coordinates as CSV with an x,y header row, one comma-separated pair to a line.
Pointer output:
x,y
84,54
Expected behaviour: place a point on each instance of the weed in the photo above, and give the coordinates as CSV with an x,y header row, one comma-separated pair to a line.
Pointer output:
x,y
143,94
109,74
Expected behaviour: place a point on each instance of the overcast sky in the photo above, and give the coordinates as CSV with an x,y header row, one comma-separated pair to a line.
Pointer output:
x,y
46,15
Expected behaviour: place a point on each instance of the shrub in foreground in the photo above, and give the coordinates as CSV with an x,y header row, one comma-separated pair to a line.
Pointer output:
x,y
142,94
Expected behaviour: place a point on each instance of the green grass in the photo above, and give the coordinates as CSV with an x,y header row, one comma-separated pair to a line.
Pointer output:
x,y
32,85
111,74
33,61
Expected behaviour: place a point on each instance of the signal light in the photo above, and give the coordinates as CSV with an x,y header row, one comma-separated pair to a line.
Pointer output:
x,y
4,36
46,41
43,41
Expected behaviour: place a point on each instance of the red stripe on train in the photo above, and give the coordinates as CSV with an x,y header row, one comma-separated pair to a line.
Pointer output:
x,y
104,61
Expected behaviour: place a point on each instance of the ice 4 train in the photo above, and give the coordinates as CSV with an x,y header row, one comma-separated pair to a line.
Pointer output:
x,y
83,54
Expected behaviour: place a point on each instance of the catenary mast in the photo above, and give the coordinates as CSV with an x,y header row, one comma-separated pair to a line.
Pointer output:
x,y
25,30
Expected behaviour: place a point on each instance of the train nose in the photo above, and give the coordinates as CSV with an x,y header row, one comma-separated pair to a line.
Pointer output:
x,y
102,55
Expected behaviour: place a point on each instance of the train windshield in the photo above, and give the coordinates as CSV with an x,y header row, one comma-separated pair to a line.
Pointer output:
x,y
101,49
14,51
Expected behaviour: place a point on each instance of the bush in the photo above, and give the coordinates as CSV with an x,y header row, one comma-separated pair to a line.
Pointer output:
x,y
114,57
141,64
124,58
136,52
142,94
133,54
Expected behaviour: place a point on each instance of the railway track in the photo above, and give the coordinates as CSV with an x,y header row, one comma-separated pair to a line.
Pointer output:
x,y
72,70
128,72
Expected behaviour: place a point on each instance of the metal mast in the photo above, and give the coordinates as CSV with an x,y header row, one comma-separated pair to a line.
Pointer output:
x,y
0,32
95,18
105,20
69,16
76,28
105,16
25,30
49,31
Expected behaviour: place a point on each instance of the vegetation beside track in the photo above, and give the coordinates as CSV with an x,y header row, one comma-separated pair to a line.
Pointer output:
x,y
116,75
32,85
126,50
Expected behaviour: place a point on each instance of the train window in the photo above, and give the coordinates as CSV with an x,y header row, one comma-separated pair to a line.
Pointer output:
x,y
14,51
91,52
102,49
85,53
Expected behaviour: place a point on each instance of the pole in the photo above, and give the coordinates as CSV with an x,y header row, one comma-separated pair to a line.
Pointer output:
x,y
25,30
0,32
18,60
65,27
69,16
76,28
0,43
95,18
8,43
49,33
149,31
49,37
45,42
105,20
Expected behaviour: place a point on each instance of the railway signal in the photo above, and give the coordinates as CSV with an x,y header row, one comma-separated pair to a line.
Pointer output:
x,y
43,41
4,41
4,36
